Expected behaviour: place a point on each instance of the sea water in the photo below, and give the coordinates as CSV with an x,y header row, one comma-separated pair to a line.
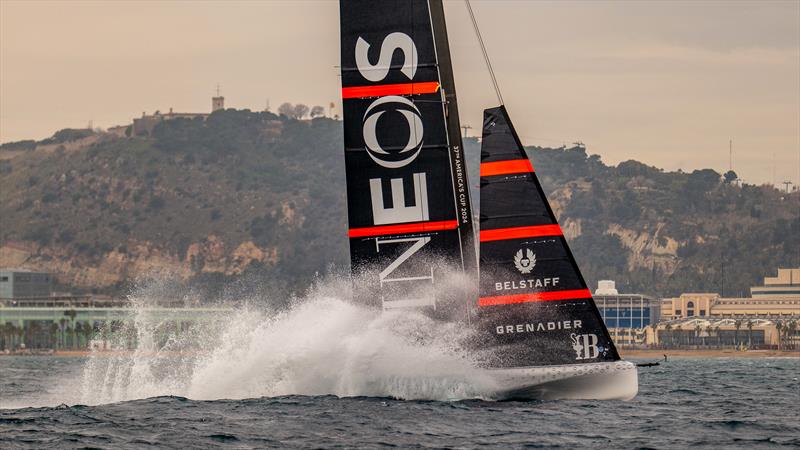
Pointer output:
x,y
326,373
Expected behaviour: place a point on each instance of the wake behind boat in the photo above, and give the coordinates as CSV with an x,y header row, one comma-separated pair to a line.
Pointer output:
x,y
537,330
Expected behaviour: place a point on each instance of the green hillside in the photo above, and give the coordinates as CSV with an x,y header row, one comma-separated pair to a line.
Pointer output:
x,y
254,194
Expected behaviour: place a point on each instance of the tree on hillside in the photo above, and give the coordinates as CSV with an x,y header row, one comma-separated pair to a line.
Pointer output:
x,y
317,111
300,111
701,181
291,111
730,176
286,109
632,168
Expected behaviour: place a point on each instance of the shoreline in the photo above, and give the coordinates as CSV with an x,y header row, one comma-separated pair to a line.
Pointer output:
x,y
655,354
658,354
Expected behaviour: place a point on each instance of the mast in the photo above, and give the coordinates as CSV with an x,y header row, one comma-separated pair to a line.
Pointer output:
x,y
409,212
458,161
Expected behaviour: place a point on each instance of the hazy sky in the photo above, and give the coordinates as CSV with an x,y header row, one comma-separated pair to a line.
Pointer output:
x,y
667,83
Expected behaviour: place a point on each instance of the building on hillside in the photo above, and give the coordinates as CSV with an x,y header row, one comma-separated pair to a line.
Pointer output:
x,y
217,103
120,130
626,315
19,283
785,286
143,126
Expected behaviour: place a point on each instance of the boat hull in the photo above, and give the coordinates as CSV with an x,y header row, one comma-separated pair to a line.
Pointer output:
x,y
617,380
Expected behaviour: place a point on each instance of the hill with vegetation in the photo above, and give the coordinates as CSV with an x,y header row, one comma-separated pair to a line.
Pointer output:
x,y
253,194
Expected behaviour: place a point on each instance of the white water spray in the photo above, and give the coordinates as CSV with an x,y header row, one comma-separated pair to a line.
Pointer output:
x,y
321,345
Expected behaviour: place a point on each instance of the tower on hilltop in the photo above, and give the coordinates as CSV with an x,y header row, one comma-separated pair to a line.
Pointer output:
x,y
217,102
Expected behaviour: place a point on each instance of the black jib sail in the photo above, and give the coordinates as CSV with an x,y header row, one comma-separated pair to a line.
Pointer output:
x,y
410,219
534,306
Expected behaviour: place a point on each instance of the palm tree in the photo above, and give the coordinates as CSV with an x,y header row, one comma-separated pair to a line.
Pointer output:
x,y
779,329
790,335
5,332
54,329
750,324
8,335
697,330
20,330
62,322
88,333
80,333
737,324
668,329
654,326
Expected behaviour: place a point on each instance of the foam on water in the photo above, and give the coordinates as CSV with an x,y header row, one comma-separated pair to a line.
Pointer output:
x,y
321,344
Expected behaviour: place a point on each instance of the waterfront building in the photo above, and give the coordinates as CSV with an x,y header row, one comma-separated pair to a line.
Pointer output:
x,y
753,333
23,284
778,298
74,322
626,315
784,286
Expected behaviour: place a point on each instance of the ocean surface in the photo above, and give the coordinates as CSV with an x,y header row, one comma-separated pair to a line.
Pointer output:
x,y
324,372
705,403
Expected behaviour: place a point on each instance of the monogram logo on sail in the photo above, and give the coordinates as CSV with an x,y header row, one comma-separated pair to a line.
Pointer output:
x,y
585,346
411,114
526,264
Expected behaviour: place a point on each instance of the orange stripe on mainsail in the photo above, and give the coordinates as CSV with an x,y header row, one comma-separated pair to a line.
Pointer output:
x,y
403,228
501,234
506,167
380,90
535,297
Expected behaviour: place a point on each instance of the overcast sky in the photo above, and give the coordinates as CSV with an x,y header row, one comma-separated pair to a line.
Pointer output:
x,y
667,83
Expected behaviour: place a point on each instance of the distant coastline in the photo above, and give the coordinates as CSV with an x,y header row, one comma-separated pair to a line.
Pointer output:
x,y
655,354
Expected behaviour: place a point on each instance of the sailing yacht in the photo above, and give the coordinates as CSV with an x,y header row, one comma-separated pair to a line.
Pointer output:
x,y
411,228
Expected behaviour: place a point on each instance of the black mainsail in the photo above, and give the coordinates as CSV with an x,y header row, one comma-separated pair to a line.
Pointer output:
x,y
409,213
534,307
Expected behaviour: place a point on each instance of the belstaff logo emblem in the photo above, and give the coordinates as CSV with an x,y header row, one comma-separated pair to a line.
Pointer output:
x,y
525,264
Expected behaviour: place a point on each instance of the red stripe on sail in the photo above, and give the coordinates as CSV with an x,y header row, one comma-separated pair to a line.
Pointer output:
x,y
428,87
403,228
535,297
501,234
506,167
